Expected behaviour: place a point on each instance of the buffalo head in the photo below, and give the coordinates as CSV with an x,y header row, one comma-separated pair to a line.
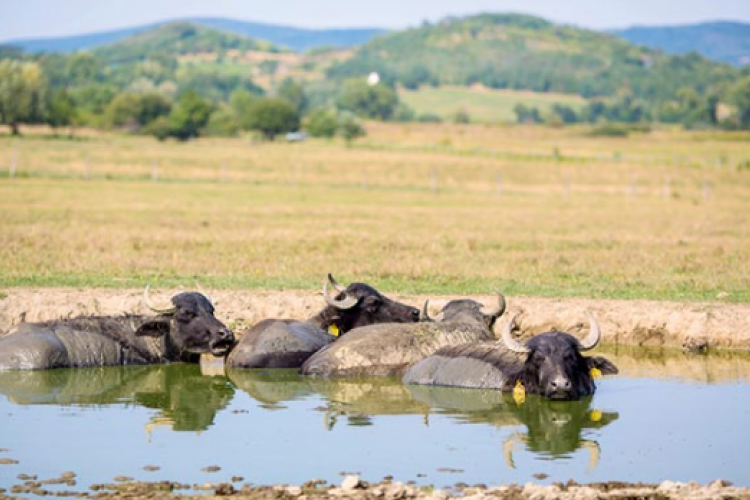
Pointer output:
x,y
467,311
358,305
188,327
554,366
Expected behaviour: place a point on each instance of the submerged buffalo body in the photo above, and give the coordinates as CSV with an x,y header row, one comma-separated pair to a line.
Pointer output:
x,y
286,343
549,364
180,332
389,349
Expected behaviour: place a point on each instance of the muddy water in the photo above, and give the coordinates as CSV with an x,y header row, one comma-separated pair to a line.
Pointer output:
x,y
666,416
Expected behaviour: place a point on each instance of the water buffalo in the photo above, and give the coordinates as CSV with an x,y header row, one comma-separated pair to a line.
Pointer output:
x,y
287,343
389,349
553,366
181,331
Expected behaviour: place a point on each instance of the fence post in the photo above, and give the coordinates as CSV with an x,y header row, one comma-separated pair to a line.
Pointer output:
x,y
223,172
13,163
154,171
633,190
87,165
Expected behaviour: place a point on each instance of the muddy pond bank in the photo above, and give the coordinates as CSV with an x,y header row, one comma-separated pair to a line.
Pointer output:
x,y
694,325
351,487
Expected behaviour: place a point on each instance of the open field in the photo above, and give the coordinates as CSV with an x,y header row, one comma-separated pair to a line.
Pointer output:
x,y
483,105
416,209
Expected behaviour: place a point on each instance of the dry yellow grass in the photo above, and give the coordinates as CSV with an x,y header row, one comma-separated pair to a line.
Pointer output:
x,y
415,208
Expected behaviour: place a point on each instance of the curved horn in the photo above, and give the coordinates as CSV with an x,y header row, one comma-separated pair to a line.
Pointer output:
x,y
510,443
507,337
346,303
336,284
594,336
497,311
594,452
158,309
426,314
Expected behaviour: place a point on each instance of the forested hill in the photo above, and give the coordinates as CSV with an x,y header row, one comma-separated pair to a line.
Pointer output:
x,y
525,52
176,39
297,39
721,41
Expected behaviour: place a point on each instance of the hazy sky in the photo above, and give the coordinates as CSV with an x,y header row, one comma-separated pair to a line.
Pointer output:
x,y
45,18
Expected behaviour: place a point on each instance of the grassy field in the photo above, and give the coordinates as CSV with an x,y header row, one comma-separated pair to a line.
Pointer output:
x,y
411,208
483,105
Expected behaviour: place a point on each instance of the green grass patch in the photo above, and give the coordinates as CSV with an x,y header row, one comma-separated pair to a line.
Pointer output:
x,y
481,104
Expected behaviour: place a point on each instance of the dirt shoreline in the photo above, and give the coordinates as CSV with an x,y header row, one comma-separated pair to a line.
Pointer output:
x,y
353,488
694,325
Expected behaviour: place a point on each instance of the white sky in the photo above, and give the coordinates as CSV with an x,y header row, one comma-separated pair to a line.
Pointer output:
x,y
47,18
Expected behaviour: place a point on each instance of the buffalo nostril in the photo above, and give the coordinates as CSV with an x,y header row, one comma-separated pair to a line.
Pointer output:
x,y
560,383
415,314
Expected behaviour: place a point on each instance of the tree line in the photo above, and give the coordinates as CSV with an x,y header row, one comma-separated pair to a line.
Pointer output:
x,y
78,90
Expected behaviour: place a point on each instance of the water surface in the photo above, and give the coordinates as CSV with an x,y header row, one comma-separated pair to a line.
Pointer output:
x,y
666,416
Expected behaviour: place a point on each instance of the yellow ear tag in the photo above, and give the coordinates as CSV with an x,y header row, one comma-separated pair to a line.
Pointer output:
x,y
333,329
595,415
596,373
519,393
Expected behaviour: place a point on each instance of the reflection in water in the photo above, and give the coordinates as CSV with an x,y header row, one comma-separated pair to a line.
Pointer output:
x,y
261,424
659,363
185,400
553,428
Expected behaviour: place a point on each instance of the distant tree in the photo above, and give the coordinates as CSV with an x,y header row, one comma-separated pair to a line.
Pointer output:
x,y
293,92
461,116
93,98
369,101
241,102
189,115
134,111
416,75
739,96
61,110
22,93
223,122
273,116
269,67
526,114
349,127
159,128
321,123
566,114
82,68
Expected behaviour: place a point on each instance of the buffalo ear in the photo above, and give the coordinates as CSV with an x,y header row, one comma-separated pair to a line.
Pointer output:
x,y
603,365
155,328
371,304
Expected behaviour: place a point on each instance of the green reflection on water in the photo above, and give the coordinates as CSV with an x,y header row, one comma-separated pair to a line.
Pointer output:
x,y
185,399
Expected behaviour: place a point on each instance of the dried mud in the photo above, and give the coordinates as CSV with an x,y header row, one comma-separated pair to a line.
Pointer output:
x,y
693,325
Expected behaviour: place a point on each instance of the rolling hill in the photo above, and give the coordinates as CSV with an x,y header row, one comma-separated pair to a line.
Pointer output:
x,y
512,51
297,39
728,42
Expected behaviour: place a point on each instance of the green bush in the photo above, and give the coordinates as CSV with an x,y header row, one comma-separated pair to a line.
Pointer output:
x,y
321,123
